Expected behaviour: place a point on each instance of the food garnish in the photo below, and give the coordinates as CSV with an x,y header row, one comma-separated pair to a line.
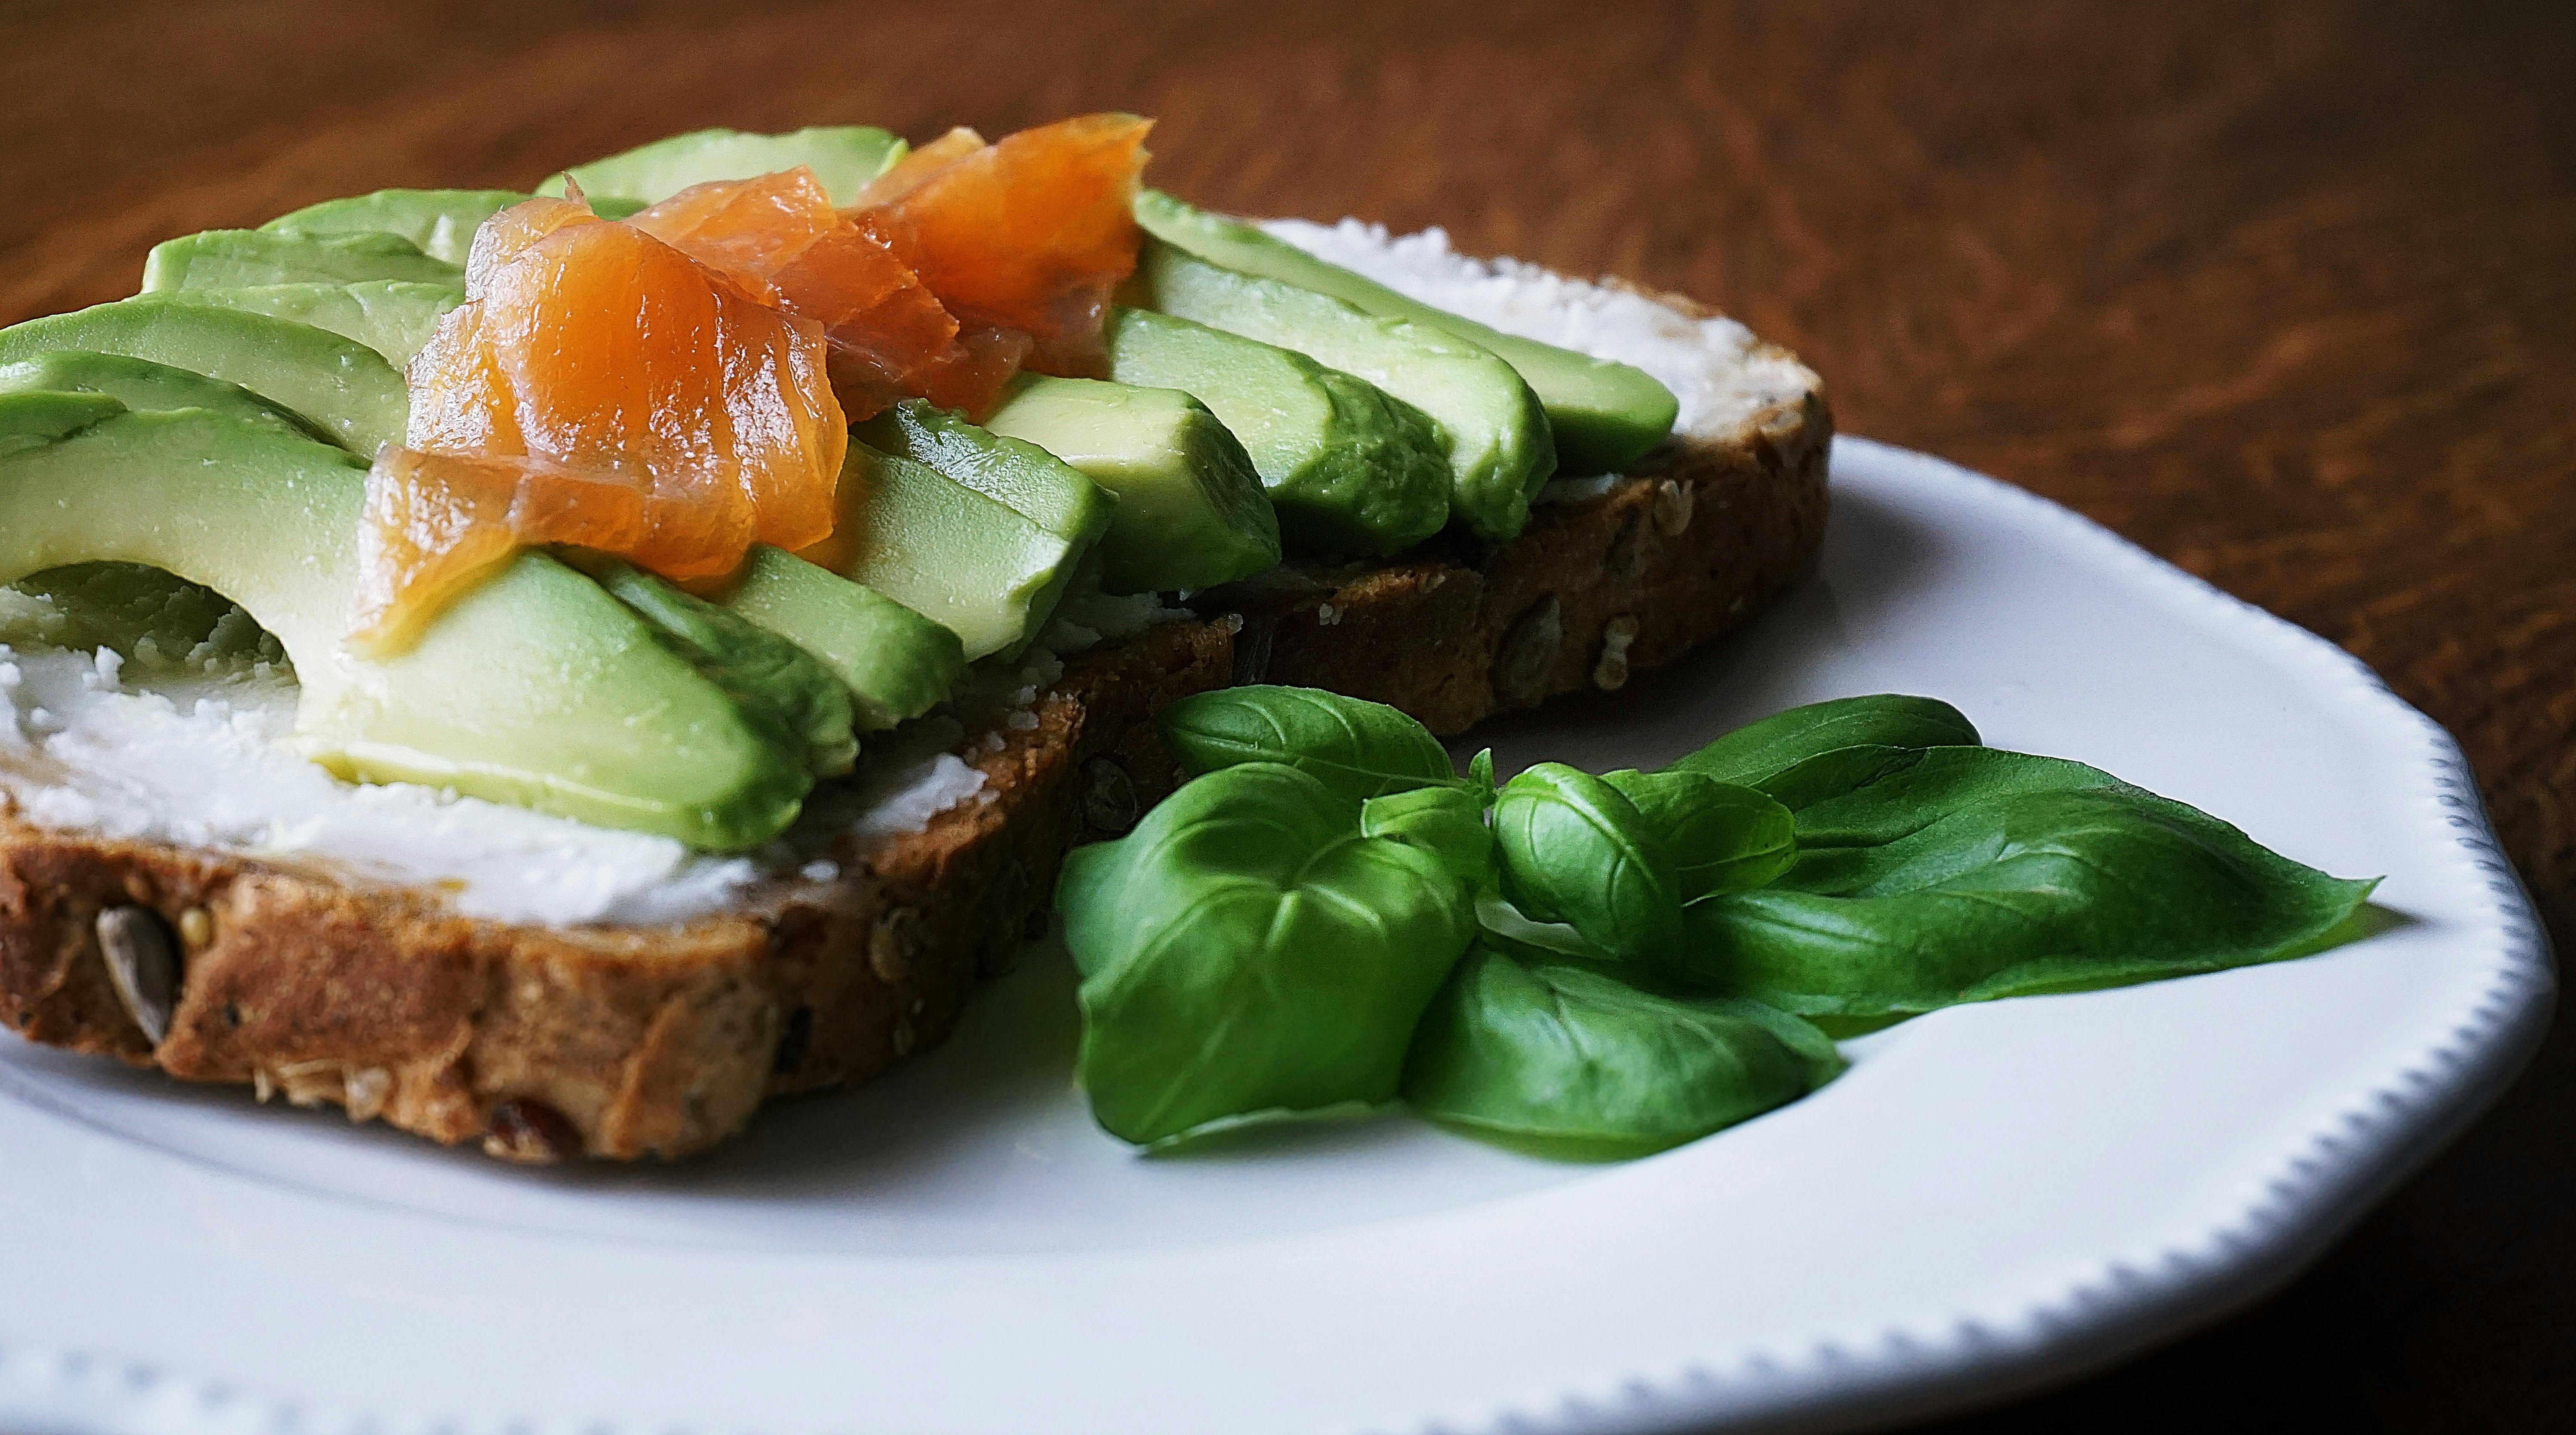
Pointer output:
x,y
1642,970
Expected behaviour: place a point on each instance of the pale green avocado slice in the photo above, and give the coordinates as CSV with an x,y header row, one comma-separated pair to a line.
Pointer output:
x,y
1351,471
1498,437
349,389
1500,448
1606,415
1191,512
35,420
239,258
1021,477
843,157
441,222
143,384
896,663
394,317
152,618
970,563
535,687
795,697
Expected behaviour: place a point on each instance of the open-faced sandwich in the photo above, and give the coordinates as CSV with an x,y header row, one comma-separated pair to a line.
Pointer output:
x,y
555,669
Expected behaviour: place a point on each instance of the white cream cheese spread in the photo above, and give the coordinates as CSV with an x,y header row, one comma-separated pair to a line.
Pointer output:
x,y
203,761
199,757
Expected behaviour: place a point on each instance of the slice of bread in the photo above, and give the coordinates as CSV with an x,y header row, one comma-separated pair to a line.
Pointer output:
x,y
621,1042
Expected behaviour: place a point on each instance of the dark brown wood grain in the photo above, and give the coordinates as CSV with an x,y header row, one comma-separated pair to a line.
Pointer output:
x,y
2285,293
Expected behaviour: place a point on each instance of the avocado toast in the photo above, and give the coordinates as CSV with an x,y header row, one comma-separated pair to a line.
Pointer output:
x,y
845,941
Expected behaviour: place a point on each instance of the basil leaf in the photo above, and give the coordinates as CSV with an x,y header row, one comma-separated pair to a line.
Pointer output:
x,y
1360,749
1851,835
1722,838
1501,926
1576,850
1966,874
1447,822
1752,754
1561,1053
1244,952
1480,772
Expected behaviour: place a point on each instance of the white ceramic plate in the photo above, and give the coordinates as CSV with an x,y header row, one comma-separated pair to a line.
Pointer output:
x,y
1994,1195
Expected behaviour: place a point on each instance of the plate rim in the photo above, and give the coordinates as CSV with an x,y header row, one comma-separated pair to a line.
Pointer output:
x,y
2319,1188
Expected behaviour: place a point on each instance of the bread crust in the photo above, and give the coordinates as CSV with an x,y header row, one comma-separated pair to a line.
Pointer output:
x,y
623,1042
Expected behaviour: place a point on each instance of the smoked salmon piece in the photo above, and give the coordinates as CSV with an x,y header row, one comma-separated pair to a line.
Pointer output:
x,y
675,388
1031,233
779,237
598,387
910,172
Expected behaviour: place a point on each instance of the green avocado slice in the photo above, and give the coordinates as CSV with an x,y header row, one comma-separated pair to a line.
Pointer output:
x,y
896,663
967,561
1024,479
1012,472
1351,470
238,258
1500,447
142,384
1606,415
34,420
1191,512
340,384
394,317
536,687
843,157
797,700
441,222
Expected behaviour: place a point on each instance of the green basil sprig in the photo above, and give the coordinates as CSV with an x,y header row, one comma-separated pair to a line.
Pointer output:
x,y
1245,951
1266,940
1722,838
1575,850
1958,874
1567,1055
1359,749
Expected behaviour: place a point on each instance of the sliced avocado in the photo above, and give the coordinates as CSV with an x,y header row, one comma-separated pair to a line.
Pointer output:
x,y
1019,475
896,663
1500,451
341,384
143,384
1190,514
151,617
1606,415
798,702
394,317
535,687
36,420
1352,471
843,157
238,258
970,563
441,222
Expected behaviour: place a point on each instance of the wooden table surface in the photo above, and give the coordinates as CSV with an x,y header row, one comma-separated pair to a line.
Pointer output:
x,y
2285,293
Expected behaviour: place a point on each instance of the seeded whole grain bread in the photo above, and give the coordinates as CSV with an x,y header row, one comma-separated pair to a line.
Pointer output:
x,y
621,1042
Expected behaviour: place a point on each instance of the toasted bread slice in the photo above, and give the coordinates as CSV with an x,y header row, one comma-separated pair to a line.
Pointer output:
x,y
621,1042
